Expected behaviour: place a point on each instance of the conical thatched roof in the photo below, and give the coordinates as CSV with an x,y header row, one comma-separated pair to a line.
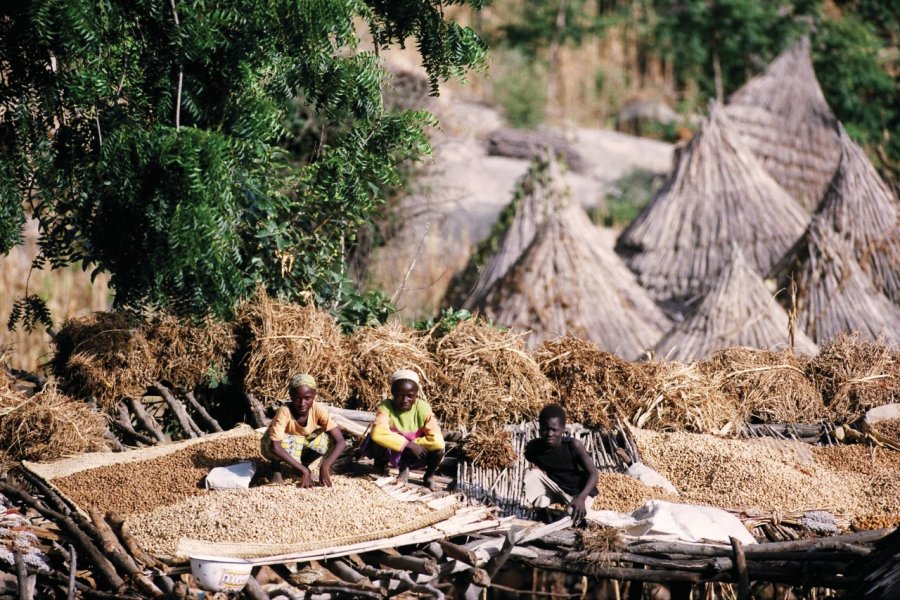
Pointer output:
x,y
738,311
860,207
537,194
567,283
784,119
834,295
717,196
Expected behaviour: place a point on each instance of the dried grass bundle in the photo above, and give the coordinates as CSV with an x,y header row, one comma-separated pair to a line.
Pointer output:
x,y
487,377
490,448
682,397
104,355
767,386
376,352
189,355
598,539
47,425
286,339
589,383
854,375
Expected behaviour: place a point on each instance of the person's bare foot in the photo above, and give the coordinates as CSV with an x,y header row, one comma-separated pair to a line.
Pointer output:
x,y
277,477
403,475
429,482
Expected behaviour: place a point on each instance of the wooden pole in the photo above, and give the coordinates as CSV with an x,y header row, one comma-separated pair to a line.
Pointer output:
x,y
73,562
740,570
25,581
188,427
119,557
458,552
146,419
256,412
201,410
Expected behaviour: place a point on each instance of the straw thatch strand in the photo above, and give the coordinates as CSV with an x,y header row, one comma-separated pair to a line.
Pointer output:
x,y
592,385
536,196
860,207
834,295
785,121
287,339
488,377
104,355
766,386
854,375
717,196
47,425
188,354
567,283
376,352
737,311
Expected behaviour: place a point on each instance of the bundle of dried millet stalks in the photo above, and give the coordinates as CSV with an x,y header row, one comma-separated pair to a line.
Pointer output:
x,y
490,448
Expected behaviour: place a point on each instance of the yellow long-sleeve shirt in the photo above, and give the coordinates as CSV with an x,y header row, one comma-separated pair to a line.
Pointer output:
x,y
390,425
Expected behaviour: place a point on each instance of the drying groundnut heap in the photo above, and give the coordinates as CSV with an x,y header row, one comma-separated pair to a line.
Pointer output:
x,y
282,514
622,493
769,475
141,486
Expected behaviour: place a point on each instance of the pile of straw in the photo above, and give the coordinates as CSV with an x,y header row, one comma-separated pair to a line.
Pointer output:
x,y
681,397
854,375
589,383
490,448
376,352
104,355
190,355
47,425
767,386
287,339
488,377
597,539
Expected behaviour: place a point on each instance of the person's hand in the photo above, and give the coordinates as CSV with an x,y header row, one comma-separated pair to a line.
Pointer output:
x,y
305,478
416,450
578,510
325,475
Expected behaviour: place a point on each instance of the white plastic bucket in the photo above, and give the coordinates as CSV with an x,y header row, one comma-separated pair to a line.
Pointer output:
x,y
217,574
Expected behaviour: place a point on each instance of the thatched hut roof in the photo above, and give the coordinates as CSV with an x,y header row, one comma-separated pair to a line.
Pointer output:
x,y
786,122
567,283
860,207
538,193
738,311
718,195
834,294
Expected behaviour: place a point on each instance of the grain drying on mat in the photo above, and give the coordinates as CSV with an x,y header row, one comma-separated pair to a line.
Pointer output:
x,y
623,493
376,352
141,486
489,377
278,514
287,339
772,475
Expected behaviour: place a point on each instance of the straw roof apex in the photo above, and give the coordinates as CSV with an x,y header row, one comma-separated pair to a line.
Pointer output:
x,y
863,209
539,192
787,123
737,311
568,283
834,294
717,195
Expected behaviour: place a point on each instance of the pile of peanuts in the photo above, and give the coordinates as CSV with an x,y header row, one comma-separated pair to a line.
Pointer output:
x,y
141,486
623,493
274,514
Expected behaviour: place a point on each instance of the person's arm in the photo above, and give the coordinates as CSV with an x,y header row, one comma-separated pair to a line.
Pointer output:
x,y
433,438
276,434
336,449
579,510
382,434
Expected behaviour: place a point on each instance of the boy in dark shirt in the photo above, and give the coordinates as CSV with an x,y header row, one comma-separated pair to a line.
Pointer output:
x,y
565,473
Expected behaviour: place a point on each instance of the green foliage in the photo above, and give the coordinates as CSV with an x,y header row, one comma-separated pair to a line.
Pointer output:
x,y
520,87
445,322
30,311
151,140
537,24
632,193
856,82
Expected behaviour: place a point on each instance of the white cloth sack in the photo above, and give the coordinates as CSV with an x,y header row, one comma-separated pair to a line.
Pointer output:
x,y
650,477
232,477
660,520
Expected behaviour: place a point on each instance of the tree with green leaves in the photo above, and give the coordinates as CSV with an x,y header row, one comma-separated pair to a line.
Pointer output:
x,y
195,150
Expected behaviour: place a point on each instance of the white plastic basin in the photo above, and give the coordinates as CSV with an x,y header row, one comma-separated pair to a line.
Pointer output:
x,y
217,574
